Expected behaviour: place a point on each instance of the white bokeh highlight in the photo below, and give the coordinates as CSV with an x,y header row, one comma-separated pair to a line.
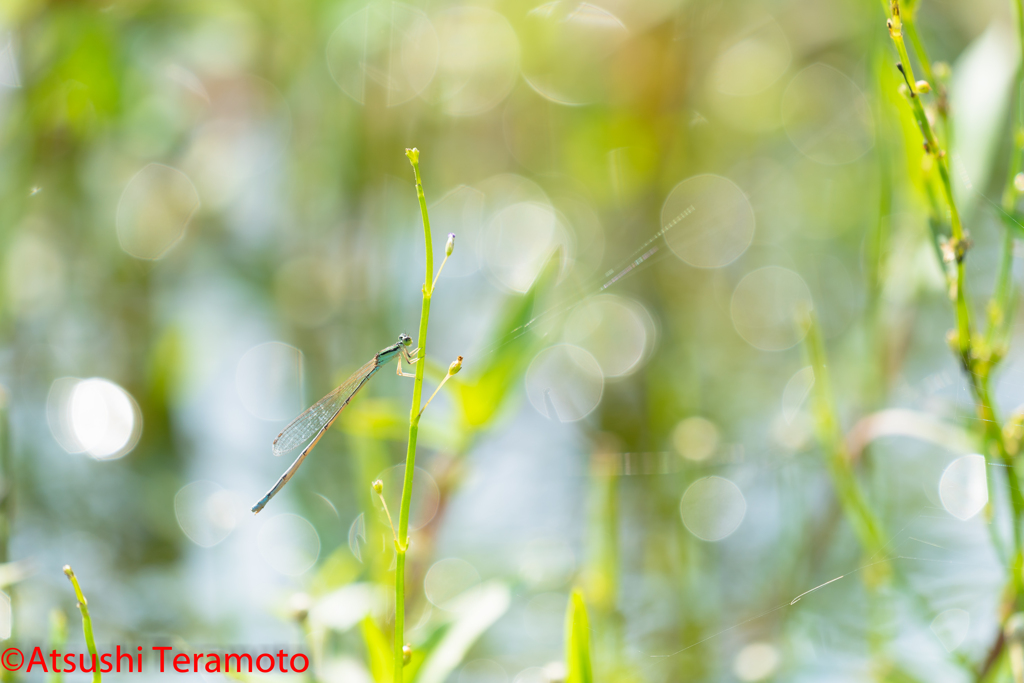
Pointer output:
x,y
519,240
617,331
154,210
768,306
951,627
447,579
963,487
756,662
712,508
386,45
206,512
708,221
478,62
93,416
564,383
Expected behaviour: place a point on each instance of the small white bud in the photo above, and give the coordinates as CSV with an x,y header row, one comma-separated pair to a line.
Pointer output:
x,y
455,366
450,246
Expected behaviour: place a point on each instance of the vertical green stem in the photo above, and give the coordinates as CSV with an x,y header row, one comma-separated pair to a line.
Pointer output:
x,y
83,607
855,506
976,366
402,544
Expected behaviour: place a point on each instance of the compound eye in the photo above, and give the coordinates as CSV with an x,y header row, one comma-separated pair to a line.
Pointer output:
x,y
405,339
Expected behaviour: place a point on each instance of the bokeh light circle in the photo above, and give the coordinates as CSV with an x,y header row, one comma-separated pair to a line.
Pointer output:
x,y
951,627
447,579
754,63
826,116
206,512
93,416
564,383
154,210
963,487
289,544
519,240
615,330
756,662
708,221
768,308
388,45
696,438
571,46
712,508
478,62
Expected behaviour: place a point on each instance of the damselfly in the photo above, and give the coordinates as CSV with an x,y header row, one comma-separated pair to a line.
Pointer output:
x,y
312,424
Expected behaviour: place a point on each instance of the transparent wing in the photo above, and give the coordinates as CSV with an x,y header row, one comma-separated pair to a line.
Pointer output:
x,y
303,428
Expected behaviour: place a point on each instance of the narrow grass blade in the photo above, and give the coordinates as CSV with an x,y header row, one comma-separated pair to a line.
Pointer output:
x,y
577,641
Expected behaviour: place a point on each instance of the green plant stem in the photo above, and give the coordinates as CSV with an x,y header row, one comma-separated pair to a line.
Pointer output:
x,y
83,607
402,543
855,506
977,358
976,366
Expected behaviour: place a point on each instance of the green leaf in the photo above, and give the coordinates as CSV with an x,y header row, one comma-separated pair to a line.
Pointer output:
x,y
477,609
378,650
577,641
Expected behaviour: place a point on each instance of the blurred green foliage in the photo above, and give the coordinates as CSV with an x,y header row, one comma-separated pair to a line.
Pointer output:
x,y
183,183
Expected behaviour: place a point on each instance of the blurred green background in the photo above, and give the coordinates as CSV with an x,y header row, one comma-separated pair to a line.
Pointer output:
x,y
208,221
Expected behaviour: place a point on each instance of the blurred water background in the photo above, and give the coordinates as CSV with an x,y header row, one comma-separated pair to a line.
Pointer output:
x,y
207,222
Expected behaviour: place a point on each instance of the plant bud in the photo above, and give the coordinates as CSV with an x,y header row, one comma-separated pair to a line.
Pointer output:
x,y
923,86
455,366
450,246
299,605
378,486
